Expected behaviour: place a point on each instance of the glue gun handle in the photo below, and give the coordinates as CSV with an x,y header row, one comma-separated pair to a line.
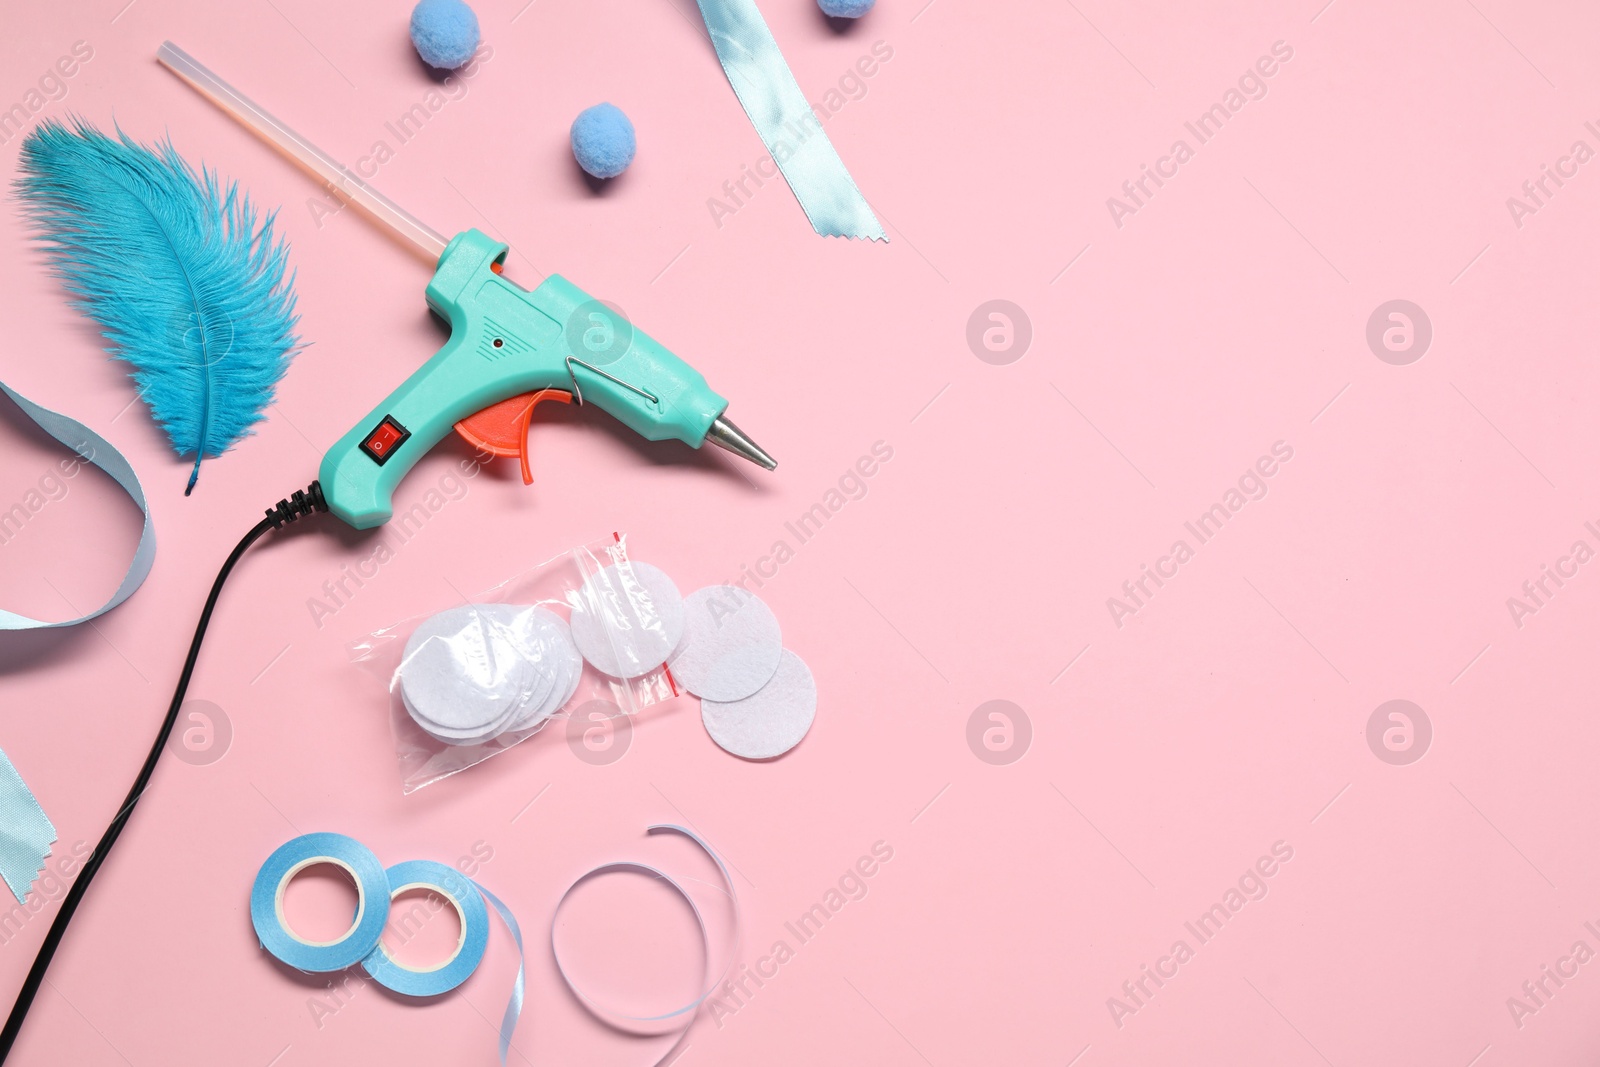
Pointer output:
x,y
361,472
506,341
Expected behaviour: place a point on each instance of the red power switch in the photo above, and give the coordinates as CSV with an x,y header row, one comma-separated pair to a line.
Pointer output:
x,y
381,442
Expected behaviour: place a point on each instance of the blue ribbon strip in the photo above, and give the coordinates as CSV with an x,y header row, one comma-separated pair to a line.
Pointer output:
x,y
508,1024
97,450
26,834
783,117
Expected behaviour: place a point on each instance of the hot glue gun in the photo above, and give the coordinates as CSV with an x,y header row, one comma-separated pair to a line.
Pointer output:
x,y
509,349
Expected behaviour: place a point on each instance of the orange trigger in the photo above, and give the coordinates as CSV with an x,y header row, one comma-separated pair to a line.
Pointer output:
x,y
522,442
502,429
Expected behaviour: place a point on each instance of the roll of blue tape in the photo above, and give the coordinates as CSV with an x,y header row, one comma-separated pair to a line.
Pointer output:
x,y
468,902
372,902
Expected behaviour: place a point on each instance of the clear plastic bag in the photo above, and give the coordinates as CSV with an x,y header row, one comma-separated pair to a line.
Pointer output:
x,y
468,681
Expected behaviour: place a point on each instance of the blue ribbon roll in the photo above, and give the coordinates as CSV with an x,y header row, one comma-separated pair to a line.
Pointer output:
x,y
372,902
463,893
363,942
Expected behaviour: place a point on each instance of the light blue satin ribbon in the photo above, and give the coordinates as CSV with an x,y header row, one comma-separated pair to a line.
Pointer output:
x,y
26,833
508,1024
783,117
92,448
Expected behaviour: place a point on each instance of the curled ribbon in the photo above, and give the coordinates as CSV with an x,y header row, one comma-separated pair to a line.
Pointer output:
x,y
676,1022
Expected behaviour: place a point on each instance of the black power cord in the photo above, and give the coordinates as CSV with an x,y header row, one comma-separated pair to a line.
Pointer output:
x,y
302,502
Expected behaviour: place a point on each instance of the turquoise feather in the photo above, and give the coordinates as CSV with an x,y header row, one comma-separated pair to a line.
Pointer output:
x,y
185,281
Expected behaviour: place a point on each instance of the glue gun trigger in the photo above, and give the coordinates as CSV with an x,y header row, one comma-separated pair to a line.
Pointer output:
x,y
502,429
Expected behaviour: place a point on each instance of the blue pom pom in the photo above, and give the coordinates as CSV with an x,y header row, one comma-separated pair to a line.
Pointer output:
x,y
845,9
602,140
445,32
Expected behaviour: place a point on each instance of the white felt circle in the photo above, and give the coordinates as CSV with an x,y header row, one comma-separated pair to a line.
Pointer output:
x,y
628,619
546,635
485,693
770,722
449,737
462,672
731,644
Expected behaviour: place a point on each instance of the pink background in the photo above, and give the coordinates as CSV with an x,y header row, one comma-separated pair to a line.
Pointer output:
x,y
1167,755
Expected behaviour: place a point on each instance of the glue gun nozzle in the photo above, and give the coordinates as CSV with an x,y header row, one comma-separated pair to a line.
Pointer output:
x,y
726,435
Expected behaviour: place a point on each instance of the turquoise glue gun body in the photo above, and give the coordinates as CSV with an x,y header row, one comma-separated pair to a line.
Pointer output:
x,y
507,342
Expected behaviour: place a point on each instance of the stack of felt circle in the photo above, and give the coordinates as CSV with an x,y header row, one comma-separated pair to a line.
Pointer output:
x,y
482,671
473,673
